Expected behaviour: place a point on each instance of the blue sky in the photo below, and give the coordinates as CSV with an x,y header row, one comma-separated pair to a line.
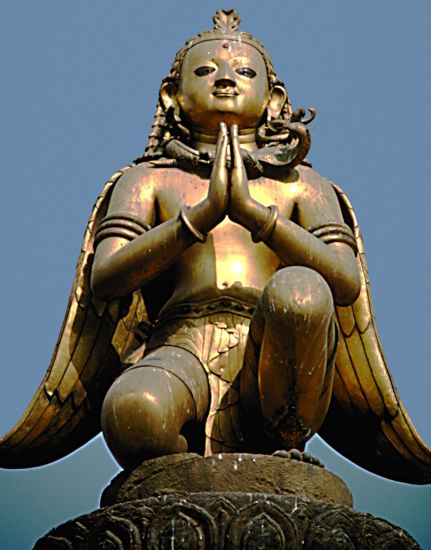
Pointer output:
x,y
79,87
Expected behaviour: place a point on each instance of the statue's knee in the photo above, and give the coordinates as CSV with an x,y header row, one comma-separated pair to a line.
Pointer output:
x,y
298,292
140,418
132,399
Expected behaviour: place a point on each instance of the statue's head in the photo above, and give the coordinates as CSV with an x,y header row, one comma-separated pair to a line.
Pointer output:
x,y
219,74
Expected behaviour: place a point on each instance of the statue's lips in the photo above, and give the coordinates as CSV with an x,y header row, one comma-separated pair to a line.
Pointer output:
x,y
223,93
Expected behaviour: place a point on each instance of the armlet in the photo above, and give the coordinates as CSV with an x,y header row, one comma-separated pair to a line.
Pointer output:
x,y
335,232
120,224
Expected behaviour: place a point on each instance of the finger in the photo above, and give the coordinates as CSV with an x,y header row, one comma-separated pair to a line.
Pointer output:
x,y
236,151
221,149
222,133
237,164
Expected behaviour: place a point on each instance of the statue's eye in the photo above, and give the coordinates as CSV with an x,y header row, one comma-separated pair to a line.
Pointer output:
x,y
246,71
203,71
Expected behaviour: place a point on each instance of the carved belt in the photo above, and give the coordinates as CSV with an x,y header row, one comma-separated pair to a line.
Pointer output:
x,y
202,309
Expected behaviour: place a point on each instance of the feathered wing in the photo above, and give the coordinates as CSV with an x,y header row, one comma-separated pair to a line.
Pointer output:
x,y
367,422
65,410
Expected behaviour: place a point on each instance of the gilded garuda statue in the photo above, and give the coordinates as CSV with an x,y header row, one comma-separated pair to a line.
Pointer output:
x,y
221,301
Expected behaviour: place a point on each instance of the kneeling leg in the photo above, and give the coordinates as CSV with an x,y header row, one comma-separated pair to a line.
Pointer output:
x,y
286,378
147,407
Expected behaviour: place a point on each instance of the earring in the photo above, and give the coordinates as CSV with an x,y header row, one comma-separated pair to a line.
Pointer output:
x,y
174,119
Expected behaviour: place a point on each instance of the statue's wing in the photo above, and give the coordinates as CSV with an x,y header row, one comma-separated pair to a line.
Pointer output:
x,y
367,421
95,336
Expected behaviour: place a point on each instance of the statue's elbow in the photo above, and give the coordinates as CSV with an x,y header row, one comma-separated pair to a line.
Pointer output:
x,y
100,284
348,289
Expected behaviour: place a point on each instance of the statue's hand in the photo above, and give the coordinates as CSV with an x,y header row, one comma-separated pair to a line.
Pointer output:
x,y
218,189
213,209
242,208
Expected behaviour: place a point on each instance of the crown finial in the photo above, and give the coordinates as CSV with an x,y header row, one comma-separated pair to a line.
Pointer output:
x,y
226,21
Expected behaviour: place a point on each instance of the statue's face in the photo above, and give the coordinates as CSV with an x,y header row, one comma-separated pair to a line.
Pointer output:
x,y
223,80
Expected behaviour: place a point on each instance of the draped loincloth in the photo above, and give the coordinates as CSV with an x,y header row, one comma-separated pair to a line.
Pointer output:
x,y
215,332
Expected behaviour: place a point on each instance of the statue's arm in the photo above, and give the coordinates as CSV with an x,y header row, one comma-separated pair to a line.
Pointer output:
x,y
293,244
126,260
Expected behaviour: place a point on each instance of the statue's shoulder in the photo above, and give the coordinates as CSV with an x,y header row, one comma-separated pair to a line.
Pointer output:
x,y
142,183
136,179
321,184
304,177
137,173
310,177
145,174
328,191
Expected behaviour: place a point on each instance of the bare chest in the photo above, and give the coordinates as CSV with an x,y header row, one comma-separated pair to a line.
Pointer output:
x,y
229,256
190,189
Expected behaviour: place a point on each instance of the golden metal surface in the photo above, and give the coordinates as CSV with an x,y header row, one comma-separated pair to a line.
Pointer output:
x,y
208,247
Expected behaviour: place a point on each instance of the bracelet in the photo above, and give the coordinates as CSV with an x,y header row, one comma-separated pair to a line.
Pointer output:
x,y
193,230
268,227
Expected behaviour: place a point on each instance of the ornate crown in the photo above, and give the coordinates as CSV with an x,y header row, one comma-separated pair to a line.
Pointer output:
x,y
226,23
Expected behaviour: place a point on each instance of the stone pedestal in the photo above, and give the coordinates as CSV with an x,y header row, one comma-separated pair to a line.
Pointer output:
x,y
229,501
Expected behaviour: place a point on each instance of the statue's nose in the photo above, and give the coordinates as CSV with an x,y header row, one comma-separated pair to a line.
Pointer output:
x,y
225,83
225,76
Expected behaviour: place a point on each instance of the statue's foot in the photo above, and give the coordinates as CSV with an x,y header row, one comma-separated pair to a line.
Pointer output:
x,y
303,456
